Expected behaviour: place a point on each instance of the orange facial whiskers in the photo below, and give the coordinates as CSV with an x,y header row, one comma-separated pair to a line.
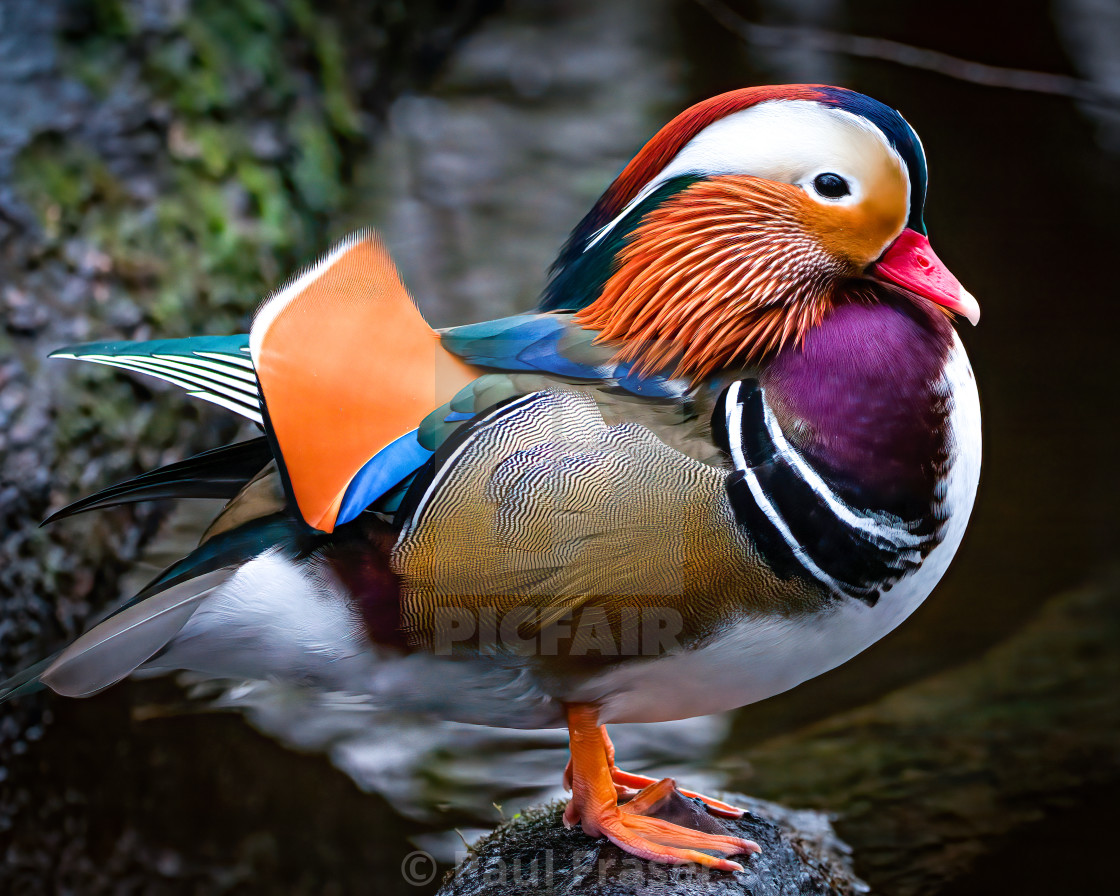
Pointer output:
x,y
727,271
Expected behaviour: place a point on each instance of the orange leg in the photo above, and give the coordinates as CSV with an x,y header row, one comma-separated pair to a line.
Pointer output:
x,y
594,804
627,785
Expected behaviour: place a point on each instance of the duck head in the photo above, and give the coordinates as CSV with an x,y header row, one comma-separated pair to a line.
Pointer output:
x,y
744,220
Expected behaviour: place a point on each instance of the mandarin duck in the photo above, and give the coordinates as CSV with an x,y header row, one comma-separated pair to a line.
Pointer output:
x,y
736,443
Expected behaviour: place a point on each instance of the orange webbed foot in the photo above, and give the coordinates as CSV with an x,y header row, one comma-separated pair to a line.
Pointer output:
x,y
628,785
596,785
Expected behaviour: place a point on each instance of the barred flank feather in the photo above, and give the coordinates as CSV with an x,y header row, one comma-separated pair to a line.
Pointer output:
x,y
552,510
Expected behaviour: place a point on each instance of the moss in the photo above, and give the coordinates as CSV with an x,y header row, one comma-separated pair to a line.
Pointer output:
x,y
330,55
231,214
259,129
59,180
256,129
315,173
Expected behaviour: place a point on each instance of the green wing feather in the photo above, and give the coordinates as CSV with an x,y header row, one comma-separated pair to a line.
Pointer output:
x,y
217,369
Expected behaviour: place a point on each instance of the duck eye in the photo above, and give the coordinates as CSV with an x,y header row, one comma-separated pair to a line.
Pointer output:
x,y
831,186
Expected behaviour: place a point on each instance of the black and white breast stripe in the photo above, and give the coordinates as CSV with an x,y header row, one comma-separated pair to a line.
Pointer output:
x,y
800,525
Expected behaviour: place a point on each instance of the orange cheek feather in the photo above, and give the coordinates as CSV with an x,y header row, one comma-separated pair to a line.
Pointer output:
x,y
727,270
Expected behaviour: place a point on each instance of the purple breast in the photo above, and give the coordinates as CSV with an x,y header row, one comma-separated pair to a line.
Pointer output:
x,y
861,398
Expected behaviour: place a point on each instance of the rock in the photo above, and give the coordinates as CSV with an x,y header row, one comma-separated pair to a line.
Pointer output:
x,y
952,775
533,853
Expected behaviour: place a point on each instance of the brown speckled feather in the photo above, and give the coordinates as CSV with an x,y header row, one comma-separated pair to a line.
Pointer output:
x,y
550,510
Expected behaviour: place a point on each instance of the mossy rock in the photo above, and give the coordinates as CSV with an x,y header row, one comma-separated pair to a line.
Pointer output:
x,y
534,854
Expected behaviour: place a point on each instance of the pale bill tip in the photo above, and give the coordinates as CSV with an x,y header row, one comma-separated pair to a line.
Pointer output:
x,y
968,306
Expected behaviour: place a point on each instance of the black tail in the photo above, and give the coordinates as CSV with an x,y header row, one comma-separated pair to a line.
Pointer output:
x,y
218,473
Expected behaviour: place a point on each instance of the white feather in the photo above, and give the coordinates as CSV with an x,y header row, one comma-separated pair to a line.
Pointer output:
x,y
275,619
115,648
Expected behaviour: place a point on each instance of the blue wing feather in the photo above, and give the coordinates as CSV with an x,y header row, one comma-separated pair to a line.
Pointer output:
x,y
501,343
535,342
395,462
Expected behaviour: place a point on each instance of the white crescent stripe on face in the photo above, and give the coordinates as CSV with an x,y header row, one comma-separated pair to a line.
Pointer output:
x,y
786,141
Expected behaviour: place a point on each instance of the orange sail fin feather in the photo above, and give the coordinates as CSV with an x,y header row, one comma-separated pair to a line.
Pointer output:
x,y
346,364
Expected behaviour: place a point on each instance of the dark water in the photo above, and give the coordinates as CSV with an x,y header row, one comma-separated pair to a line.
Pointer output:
x,y
474,188
1020,207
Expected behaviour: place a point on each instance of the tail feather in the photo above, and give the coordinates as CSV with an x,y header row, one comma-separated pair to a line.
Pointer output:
x,y
25,681
114,649
144,626
219,473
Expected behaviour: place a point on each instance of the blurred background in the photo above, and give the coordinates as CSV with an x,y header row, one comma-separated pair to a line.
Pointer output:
x,y
164,163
